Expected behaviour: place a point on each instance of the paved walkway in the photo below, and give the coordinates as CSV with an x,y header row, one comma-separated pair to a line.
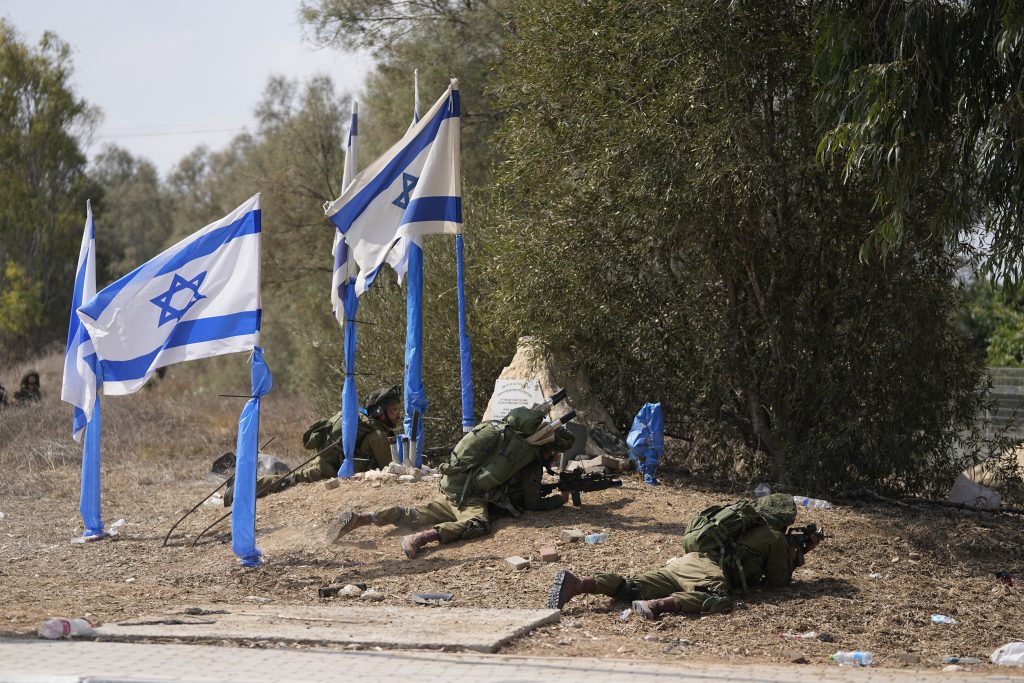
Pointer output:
x,y
39,661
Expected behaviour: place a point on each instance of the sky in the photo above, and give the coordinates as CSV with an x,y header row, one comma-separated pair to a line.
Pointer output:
x,y
170,76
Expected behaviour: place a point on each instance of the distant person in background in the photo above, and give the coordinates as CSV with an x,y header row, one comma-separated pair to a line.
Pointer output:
x,y
29,391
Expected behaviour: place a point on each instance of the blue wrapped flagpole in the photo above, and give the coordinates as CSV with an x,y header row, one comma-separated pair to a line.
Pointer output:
x,y
465,367
349,395
415,394
243,508
89,503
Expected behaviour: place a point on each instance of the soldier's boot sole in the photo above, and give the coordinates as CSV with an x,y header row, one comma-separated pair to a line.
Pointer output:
x,y
348,521
566,586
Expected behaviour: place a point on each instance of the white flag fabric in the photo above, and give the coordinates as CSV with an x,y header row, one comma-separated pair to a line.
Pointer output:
x,y
398,257
344,269
200,298
415,188
79,385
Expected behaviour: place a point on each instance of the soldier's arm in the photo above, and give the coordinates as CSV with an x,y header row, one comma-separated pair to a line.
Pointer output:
x,y
375,447
780,563
531,477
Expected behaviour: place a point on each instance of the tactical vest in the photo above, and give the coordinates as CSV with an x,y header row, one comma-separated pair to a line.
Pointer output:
x,y
490,455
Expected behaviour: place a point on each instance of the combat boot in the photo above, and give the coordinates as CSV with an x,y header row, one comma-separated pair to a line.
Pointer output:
x,y
348,521
652,609
413,543
567,586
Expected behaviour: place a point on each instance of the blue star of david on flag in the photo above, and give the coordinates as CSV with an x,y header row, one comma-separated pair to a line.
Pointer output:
x,y
408,183
178,284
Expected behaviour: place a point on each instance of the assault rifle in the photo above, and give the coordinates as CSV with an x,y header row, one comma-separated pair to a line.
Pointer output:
x,y
576,482
805,537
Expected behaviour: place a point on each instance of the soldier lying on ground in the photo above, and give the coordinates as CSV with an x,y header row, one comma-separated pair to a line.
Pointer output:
x,y
493,470
377,421
699,582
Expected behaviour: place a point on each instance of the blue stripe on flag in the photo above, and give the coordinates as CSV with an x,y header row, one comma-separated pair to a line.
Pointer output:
x,y
188,332
248,224
76,324
433,209
352,209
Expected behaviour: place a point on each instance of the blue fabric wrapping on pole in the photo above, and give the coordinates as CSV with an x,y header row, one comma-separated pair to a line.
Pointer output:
x,y
89,504
243,509
646,440
349,395
415,394
465,367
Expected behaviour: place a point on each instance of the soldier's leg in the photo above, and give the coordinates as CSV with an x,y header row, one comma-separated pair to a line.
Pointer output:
x,y
693,583
324,467
265,485
465,522
433,512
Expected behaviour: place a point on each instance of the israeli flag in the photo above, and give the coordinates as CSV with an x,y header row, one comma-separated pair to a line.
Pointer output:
x,y
200,298
344,269
398,257
79,386
415,188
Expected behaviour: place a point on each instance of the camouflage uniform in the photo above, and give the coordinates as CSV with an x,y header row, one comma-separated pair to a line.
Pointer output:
x,y
700,582
471,519
463,512
29,392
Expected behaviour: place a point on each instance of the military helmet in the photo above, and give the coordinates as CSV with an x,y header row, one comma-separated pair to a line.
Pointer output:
x,y
777,509
381,398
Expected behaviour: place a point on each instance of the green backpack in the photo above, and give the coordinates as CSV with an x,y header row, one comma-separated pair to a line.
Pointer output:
x,y
714,529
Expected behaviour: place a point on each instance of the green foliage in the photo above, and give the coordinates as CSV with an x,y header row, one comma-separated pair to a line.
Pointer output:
x,y
994,317
21,308
42,184
918,95
663,217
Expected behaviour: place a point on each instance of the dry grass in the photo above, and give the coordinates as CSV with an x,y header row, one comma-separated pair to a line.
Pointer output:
x,y
158,445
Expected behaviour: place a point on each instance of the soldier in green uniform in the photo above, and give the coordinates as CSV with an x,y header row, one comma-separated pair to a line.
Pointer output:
x,y
700,582
377,422
493,470
29,391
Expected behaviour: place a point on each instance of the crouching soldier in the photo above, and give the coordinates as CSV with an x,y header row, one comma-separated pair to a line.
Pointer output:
x,y
493,470
729,547
377,422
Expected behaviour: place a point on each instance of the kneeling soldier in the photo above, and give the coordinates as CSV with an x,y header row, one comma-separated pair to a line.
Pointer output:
x,y
492,466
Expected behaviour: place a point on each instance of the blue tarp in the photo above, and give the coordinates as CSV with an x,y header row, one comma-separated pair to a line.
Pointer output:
x,y
646,440
243,508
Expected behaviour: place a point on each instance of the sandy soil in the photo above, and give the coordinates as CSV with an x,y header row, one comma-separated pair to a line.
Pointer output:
x,y
872,585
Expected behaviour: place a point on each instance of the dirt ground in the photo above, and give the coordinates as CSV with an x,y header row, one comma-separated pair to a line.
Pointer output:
x,y
872,585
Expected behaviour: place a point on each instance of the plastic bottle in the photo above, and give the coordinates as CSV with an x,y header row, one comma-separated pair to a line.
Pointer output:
x,y
1011,654
854,658
762,490
813,503
593,539
943,619
961,660
59,628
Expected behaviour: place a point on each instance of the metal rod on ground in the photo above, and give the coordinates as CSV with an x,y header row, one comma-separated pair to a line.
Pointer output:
x,y
266,487
208,497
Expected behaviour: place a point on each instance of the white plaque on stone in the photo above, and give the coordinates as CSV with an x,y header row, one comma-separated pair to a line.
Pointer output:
x,y
514,393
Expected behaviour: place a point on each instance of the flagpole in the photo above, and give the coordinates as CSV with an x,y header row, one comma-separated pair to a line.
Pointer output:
x,y
346,292
465,366
415,393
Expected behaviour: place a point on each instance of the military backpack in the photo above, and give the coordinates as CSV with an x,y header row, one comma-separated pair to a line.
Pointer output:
x,y
714,529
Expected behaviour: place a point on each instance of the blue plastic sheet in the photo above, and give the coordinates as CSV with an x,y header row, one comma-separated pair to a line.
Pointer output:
x,y
415,394
465,366
646,440
89,503
243,508
349,396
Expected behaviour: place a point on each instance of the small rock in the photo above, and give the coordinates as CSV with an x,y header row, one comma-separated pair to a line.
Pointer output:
x,y
395,468
874,575
371,595
416,473
389,477
549,554
256,598
2,515
650,637
518,563
910,659
895,559
826,638
572,535
914,556
407,479
372,475
350,591
130,579
331,484
565,641
375,485
799,659
952,667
